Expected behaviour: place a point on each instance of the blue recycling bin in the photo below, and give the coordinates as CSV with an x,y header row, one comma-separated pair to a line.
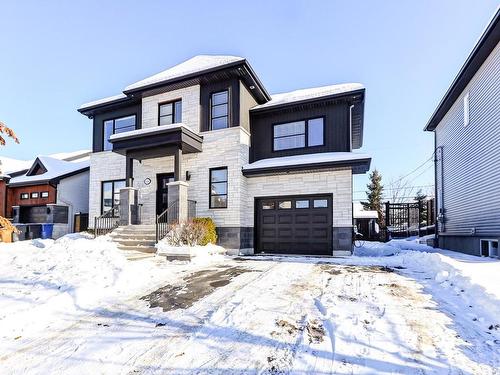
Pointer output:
x,y
47,230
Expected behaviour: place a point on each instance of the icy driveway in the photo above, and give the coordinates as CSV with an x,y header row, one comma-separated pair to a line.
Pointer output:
x,y
276,315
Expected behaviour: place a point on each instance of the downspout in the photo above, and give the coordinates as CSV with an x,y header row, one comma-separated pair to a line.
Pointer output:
x,y
350,126
352,179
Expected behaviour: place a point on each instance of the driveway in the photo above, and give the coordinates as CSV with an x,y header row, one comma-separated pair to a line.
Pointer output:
x,y
267,315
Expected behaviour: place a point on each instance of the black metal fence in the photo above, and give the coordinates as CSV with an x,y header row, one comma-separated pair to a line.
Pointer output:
x,y
107,222
409,219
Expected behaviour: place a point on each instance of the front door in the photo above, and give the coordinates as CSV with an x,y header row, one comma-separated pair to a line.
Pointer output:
x,y
162,181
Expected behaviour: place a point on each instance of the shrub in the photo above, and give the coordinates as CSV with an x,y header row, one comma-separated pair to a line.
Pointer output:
x,y
200,231
210,232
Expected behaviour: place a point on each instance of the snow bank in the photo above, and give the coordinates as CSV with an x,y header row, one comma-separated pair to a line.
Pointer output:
x,y
473,280
72,276
375,249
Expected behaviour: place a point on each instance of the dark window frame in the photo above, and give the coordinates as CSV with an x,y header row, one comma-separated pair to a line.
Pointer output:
x,y
210,195
173,110
306,134
114,121
112,192
35,193
211,106
27,196
46,193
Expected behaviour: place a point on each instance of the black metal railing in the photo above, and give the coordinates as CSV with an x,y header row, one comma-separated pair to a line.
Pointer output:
x,y
107,221
171,216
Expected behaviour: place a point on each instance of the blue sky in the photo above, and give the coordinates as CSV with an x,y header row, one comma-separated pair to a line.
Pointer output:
x,y
55,55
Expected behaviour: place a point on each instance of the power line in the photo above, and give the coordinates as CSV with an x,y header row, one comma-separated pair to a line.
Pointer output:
x,y
391,189
416,169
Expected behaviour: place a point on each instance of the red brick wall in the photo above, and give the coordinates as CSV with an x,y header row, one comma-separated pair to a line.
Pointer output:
x,y
3,192
14,196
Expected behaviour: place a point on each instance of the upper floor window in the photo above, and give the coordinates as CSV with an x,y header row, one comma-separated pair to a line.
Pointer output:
x,y
25,196
115,126
466,110
219,110
298,134
170,113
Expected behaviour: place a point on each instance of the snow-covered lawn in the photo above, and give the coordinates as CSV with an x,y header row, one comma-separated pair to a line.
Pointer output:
x,y
77,306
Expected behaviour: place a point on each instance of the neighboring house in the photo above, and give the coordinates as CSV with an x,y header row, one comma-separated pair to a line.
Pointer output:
x,y
365,222
51,191
466,126
274,172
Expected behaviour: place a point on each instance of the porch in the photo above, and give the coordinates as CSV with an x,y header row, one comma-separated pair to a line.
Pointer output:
x,y
165,143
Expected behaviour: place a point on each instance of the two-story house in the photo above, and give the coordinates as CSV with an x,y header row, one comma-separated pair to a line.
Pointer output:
x,y
274,172
466,126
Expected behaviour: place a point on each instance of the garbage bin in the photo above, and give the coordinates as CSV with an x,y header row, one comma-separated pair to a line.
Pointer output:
x,y
47,230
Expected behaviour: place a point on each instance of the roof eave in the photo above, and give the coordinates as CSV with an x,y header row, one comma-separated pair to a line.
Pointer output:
x,y
310,101
360,165
186,77
90,110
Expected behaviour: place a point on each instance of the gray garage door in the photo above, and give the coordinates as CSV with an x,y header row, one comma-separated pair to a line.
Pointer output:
x,y
294,225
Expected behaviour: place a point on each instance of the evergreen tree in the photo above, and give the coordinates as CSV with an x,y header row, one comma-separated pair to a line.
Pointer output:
x,y
421,198
374,195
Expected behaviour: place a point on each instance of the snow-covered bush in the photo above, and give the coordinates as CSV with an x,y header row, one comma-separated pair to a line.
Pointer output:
x,y
190,233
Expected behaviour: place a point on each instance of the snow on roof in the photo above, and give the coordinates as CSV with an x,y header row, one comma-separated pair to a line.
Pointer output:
x,y
324,157
358,212
9,165
151,130
73,156
195,64
308,94
55,168
108,99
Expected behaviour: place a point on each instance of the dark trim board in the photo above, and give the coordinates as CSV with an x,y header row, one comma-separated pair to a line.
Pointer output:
x,y
358,166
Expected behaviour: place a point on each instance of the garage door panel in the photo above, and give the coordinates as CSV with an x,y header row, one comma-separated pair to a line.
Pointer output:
x,y
302,232
285,232
293,225
320,233
269,233
285,218
302,218
319,218
269,219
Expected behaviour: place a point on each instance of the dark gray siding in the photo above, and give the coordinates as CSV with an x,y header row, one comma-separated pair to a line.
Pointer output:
x,y
207,89
468,172
103,116
336,130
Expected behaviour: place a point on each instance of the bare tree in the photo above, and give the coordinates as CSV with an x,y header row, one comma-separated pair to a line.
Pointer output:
x,y
400,190
4,130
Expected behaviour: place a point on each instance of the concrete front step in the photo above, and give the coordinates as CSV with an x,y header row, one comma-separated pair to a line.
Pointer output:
x,y
134,242
136,255
137,228
139,248
133,236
